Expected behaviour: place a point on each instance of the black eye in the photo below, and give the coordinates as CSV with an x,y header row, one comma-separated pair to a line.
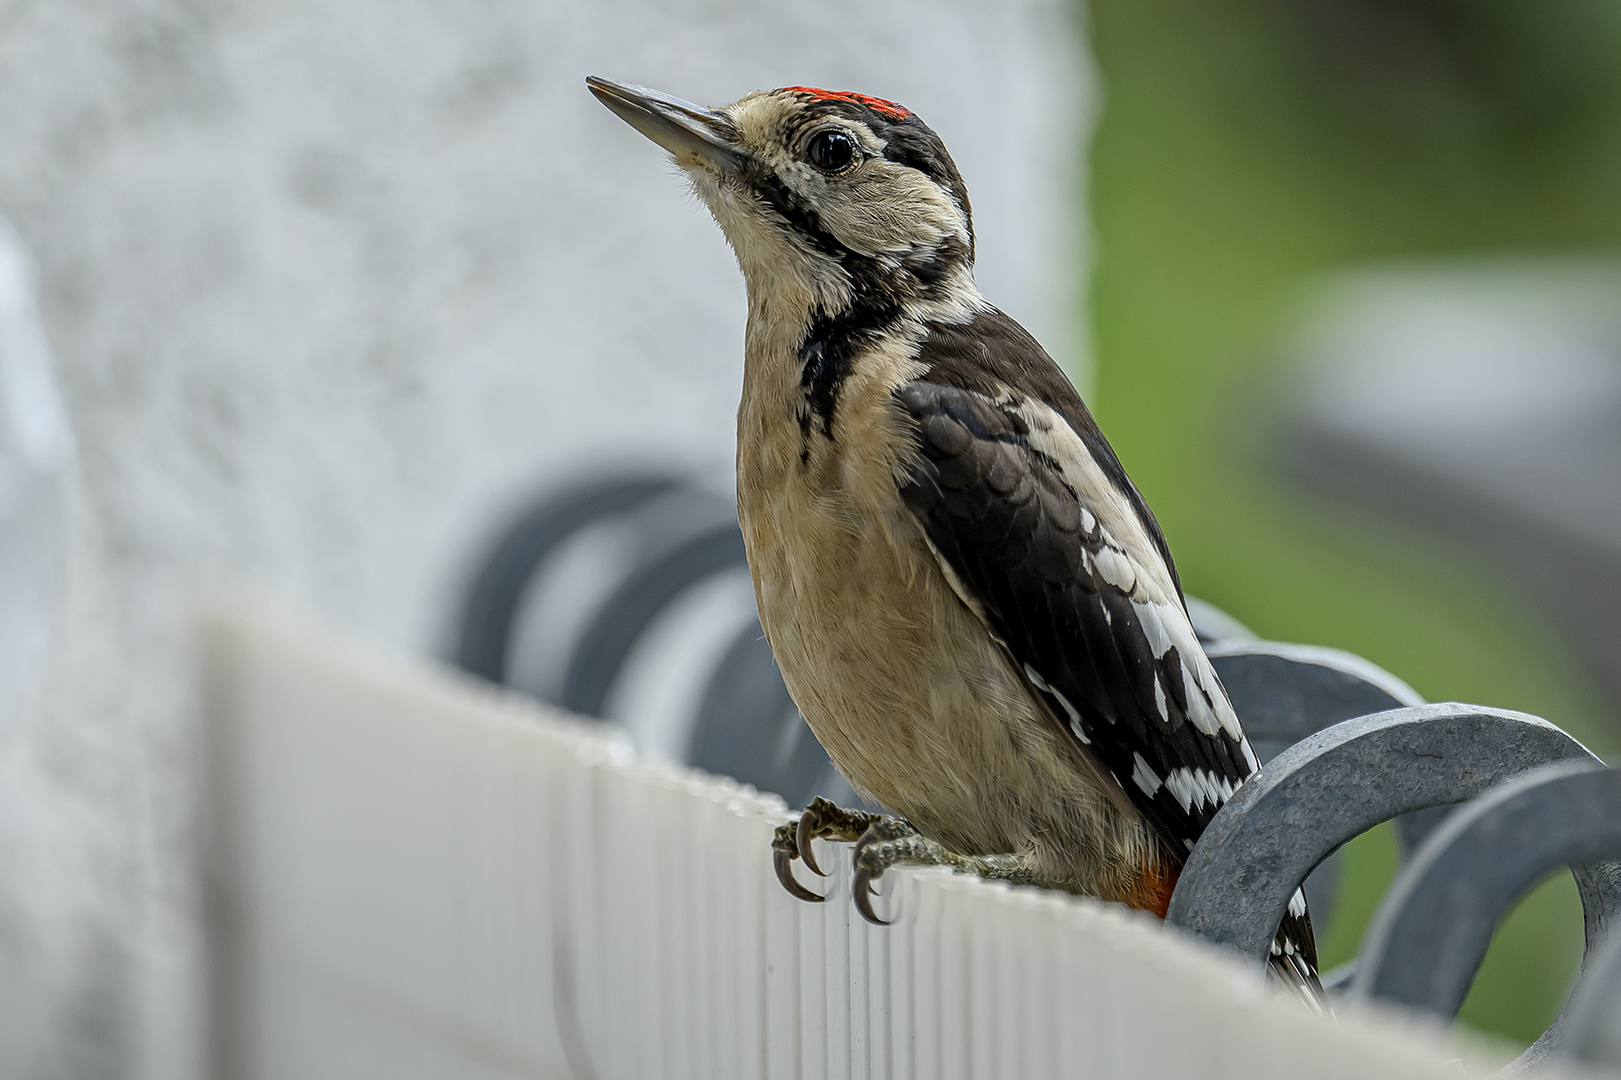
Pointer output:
x,y
831,151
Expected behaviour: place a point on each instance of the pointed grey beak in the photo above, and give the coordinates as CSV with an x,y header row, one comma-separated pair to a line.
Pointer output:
x,y
679,126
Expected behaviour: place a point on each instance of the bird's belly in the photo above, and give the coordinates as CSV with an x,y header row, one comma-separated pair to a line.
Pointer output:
x,y
913,700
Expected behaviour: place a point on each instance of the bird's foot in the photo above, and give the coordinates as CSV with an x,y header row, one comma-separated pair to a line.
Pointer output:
x,y
877,851
822,820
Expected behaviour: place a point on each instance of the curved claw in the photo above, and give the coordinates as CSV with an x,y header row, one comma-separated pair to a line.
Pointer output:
x,y
782,860
861,893
802,837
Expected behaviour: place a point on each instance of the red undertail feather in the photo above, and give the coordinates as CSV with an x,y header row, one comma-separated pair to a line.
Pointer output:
x,y
1153,889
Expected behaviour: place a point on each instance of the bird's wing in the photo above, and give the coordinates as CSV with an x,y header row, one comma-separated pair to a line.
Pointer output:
x,y
1039,530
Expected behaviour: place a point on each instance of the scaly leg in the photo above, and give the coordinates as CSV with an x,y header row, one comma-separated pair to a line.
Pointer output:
x,y
880,848
822,820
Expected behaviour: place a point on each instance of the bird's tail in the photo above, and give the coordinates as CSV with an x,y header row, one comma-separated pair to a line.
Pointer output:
x,y
1294,955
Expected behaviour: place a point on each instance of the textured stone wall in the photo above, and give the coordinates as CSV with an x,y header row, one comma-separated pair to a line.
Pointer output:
x,y
330,286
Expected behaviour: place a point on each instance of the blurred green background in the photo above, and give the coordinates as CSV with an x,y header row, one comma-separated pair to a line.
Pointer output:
x,y
1248,147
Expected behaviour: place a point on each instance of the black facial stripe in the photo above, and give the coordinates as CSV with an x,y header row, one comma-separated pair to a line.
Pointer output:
x,y
950,255
796,212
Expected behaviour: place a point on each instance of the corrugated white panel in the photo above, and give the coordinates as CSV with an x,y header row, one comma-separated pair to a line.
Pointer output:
x,y
414,877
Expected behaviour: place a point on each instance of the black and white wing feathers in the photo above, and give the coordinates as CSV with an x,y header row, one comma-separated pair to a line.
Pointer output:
x,y
1037,525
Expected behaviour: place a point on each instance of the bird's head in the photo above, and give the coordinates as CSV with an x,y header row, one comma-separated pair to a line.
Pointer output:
x,y
841,198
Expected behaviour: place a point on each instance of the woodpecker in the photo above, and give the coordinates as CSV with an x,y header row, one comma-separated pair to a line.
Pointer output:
x,y
967,596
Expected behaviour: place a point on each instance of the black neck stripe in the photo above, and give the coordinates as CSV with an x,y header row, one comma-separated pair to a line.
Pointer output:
x,y
878,296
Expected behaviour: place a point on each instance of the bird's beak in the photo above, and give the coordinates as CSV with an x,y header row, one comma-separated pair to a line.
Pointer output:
x,y
679,126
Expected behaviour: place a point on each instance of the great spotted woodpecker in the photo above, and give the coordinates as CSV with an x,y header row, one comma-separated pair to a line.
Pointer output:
x,y
969,599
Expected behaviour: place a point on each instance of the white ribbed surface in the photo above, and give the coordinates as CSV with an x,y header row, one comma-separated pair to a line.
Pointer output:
x,y
414,878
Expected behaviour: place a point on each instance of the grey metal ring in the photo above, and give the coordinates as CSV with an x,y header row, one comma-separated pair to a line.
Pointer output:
x,y
485,631
1591,1023
631,608
1334,785
1284,692
1432,930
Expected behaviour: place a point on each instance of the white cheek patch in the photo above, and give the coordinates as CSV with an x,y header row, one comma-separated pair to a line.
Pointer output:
x,y
886,209
880,209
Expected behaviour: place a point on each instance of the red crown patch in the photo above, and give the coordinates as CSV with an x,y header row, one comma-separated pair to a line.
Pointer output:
x,y
876,104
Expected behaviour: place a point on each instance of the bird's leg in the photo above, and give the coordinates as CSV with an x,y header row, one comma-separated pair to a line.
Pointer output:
x,y
822,820
880,848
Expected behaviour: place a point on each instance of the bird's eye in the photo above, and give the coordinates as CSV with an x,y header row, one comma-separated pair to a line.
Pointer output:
x,y
831,151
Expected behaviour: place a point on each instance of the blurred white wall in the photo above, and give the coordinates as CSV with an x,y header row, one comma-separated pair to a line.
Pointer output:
x,y
330,286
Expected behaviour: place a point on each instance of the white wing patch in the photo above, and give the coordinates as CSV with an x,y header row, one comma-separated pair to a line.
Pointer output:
x,y
1199,714
1198,787
956,584
1051,435
1180,784
1208,706
1121,555
1116,568
1075,726
1153,621
1145,776
1215,698
1129,561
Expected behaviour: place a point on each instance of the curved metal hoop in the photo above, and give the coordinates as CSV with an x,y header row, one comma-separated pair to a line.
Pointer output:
x,y
1331,787
635,603
1284,692
485,631
1591,1024
1431,933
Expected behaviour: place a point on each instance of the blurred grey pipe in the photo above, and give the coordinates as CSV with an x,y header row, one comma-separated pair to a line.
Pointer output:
x,y
36,445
